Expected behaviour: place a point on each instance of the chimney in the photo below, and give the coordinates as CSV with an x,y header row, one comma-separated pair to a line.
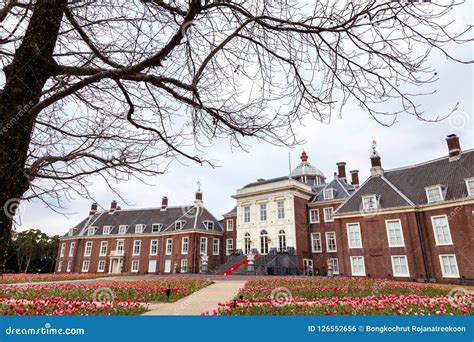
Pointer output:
x,y
376,169
93,209
454,147
164,203
113,206
341,171
355,178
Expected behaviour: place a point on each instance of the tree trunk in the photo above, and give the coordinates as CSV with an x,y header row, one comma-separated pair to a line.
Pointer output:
x,y
25,78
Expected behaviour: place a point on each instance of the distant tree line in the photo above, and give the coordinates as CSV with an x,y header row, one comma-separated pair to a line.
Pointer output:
x,y
31,251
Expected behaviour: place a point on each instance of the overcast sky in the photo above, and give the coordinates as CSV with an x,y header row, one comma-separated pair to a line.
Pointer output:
x,y
343,139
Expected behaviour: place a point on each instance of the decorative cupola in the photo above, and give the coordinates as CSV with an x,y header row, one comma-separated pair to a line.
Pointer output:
x,y
307,173
375,160
198,201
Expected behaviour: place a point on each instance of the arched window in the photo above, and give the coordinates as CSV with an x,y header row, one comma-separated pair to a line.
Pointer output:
x,y
263,242
247,243
282,240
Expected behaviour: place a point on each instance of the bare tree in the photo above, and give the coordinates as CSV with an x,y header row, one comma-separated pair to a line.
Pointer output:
x,y
117,88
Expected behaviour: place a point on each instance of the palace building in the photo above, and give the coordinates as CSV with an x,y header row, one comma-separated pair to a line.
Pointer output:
x,y
413,223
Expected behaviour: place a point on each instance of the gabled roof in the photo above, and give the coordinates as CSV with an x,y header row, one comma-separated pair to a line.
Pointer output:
x,y
148,217
342,189
413,180
233,212
405,186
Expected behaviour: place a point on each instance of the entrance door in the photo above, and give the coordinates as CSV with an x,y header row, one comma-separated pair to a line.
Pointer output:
x,y
308,267
152,266
167,266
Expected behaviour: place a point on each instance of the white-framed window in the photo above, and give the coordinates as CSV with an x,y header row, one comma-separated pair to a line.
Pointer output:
x,y
156,227
169,246
101,266
394,233
247,214
470,186
282,241
60,265
72,247
184,265
314,216
88,248
441,230
449,266
203,248
103,248
328,193
281,210
358,266
353,235
328,212
123,229
434,193
316,243
178,225
370,202
135,265
229,246
85,266
184,245
91,230
334,262
400,266
69,266
153,247
137,244
229,223
63,249
209,225
263,212
331,244
106,230
215,246
120,247
139,228
247,243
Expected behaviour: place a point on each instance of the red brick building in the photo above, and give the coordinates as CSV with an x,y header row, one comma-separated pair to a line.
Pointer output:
x,y
414,222
155,240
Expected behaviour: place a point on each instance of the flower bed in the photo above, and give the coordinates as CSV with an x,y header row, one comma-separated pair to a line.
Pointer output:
x,y
344,296
93,298
16,278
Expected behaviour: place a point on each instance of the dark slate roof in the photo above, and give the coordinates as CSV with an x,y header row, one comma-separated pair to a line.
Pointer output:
x,y
413,180
343,190
148,217
389,197
233,212
406,186
266,181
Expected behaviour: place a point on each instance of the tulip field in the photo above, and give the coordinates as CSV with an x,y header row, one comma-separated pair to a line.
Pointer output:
x,y
34,278
344,296
93,298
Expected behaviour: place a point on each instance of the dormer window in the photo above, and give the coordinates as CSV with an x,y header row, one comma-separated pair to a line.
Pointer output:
x,y
71,232
123,229
156,227
91,230
470,186
209,225
178,225
107,230
434,193
328,193
370,202
139,228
